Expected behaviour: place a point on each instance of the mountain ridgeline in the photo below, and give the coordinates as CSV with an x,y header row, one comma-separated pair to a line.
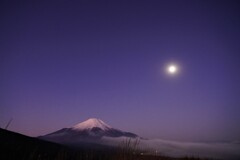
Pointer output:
x,y
94,138
92,131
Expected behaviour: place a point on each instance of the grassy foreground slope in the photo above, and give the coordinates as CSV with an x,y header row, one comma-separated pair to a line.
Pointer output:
x,y
17,146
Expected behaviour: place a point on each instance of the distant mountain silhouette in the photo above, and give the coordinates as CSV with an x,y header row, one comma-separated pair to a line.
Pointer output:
x,y
90,131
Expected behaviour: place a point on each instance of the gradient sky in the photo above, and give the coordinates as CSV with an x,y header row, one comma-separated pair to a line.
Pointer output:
x,y
63,62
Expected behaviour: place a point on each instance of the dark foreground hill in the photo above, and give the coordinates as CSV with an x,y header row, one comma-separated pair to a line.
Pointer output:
x,y
17,146
14,146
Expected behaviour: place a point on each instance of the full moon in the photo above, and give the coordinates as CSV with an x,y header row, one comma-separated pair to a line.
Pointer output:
x,y
172,69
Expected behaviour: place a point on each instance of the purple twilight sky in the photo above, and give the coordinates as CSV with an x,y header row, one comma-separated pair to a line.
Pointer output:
x,y
63,62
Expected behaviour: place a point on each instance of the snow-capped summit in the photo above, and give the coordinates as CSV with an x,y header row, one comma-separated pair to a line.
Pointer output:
x,y
90,131
92,123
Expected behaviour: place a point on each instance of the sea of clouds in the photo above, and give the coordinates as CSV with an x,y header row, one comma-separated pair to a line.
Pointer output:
x,y
228,151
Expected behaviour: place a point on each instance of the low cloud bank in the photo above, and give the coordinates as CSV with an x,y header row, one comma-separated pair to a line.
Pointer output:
x,y
228,151
208,150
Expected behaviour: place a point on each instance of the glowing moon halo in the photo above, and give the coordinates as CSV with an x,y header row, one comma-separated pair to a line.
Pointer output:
x,y
172,69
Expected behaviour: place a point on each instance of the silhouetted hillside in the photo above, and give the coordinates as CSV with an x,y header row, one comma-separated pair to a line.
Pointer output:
x,y
18,146
15,146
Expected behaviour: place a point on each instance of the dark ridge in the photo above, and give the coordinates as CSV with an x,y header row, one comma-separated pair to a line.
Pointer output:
x,y
15,146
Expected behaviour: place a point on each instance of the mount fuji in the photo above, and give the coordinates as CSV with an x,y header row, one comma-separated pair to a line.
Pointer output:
x,y
96,134
90,132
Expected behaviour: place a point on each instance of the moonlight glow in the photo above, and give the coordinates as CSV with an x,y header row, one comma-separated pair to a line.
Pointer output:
x,y
172,69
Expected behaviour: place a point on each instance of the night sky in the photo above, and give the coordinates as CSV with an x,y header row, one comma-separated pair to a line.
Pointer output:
x,y
63,62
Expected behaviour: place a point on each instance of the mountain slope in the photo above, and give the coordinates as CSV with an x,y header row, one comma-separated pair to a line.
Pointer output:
x,y
90,131
17,146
